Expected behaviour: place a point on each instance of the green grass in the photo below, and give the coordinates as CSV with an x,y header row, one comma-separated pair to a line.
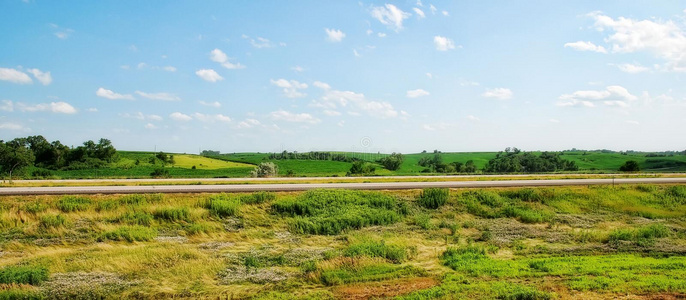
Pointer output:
x,y
23,275
173,214
433,198
379,272
73,203
222,205
133,233
370,248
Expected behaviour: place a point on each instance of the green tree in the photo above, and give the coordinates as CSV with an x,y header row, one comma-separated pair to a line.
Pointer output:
x,y
392,162
361,167
265,169
14,155
630,166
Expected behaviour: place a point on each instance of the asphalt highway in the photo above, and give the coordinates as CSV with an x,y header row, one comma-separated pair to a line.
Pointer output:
x,y
69,190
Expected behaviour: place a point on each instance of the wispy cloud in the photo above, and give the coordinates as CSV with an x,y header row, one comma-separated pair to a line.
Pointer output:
x,y
159,96
498,93
219,56
109,94
209,75
390,15
14,76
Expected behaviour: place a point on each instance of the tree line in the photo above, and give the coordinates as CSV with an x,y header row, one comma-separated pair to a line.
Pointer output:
x,y
19,153
312,156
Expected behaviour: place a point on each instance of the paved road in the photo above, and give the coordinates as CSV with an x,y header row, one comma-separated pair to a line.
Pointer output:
x,y
309,186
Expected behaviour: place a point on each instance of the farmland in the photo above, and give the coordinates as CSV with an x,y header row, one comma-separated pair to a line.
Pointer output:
x,y
598,242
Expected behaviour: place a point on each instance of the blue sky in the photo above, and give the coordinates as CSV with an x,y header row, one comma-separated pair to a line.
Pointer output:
x,y
377,76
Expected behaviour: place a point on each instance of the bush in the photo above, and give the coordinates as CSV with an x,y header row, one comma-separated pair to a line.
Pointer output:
x,y
73,203
52,221
433,198
630,166
173,214
160,173
35,207
423,221
136,218
23,275
222,206
462,257
361,167
199,228
266,169
130,234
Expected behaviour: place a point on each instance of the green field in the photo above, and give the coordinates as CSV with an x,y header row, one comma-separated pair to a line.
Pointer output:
x,y
598,242
137,164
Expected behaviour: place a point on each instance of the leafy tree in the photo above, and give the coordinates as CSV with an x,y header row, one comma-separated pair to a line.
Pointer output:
x,y
470,167
630,166
265,169
14,155
514,160
392,162
361,167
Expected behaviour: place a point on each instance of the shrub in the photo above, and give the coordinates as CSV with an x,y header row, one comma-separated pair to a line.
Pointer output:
x,y
130,234
199,228
73,203
458,258
630,166
52,221
173,214
527,195
222,206
35,207
23,275
423,221
433,198
136,218
266,169
160,173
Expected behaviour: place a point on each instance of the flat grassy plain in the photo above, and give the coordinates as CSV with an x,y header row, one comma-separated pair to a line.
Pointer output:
x,y
597,242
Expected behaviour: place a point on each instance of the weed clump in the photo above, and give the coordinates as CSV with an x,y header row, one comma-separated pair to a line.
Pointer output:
x,y
329,212
130,234
73,203
173,214
433,198
258,198
394,253
52,221
222,206
23,275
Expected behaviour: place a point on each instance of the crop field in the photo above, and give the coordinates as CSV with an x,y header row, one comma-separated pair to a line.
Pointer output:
x,y
599,242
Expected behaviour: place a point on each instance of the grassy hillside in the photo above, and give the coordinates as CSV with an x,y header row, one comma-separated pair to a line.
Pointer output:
x,y
566,243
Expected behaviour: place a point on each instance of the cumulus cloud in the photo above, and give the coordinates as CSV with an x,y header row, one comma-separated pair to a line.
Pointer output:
x,y
498,93
664,39
291,88
14,76
416,93
259,42
331,113
13,126
334,35
209,118
44,77
443,43
248,123
355,102
150,126
54,107
390,16
159,96
322,85
632,68
586,46
7,105
613,95
177,116
218,56
109,94
419,12
209,75
211,104
282,115
298,69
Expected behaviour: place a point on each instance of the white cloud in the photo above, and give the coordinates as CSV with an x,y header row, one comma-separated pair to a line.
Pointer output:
x,y
419,12
291,89
282,115
218,56
390,16
437,126
322,85
211,118
586,46
7,105
298,69
498,93
211,104
92,109
443,43
431,76
419,3
633,122
473,118
381,35
13,126
169,69
43,77
109,94
664,39
150,126
356,102
341,123
261,42
209,75
613,95
248,123
445,13
159,96
464,82
54,107
433,9
554,121
61,33
632,69
177,116
331,113
357,54
14,76
334,35
416,93
155,117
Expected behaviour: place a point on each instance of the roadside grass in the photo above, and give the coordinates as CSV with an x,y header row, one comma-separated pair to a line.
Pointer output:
x,y
503,243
